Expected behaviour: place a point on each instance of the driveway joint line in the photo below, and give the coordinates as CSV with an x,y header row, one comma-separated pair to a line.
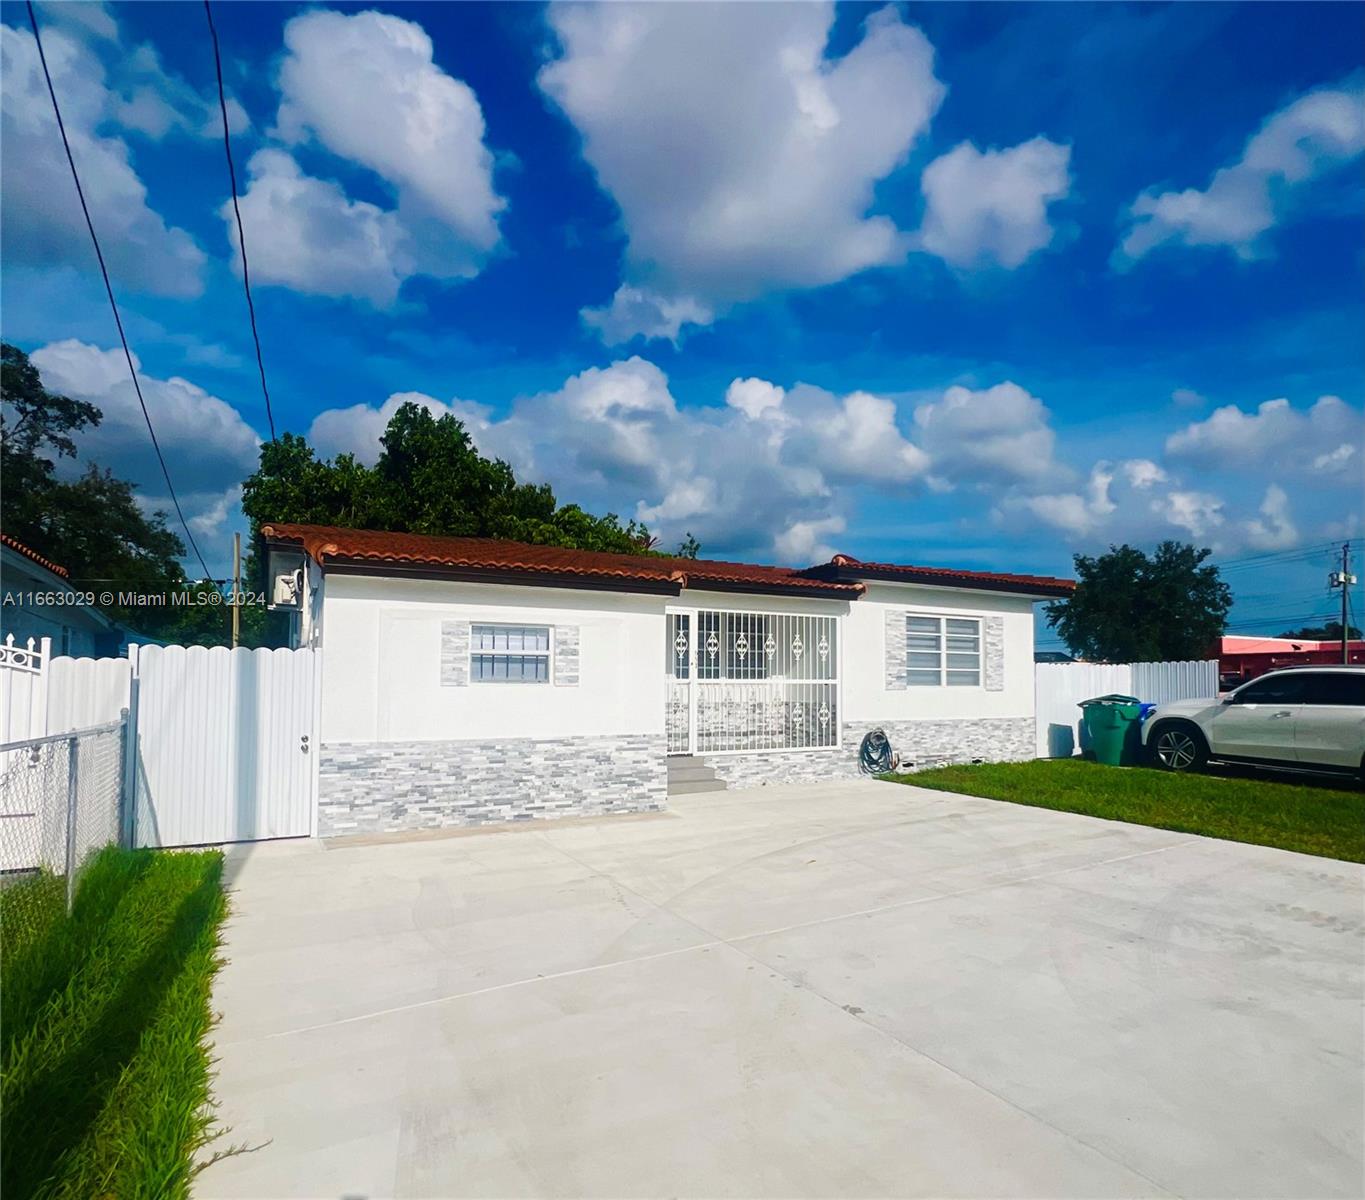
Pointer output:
x,y
717,941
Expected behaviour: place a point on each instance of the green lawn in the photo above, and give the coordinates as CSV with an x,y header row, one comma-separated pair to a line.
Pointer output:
x,y
1305,817
106,1074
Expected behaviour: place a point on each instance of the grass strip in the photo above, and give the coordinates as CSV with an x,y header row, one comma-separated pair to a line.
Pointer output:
x,y
1290,816
106,1075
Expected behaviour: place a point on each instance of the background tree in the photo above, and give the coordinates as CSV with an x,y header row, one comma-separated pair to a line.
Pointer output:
x,y
92,525
1129,607
1331,632
429,478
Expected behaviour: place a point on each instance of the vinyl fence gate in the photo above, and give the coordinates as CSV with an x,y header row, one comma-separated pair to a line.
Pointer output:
x,y
226,744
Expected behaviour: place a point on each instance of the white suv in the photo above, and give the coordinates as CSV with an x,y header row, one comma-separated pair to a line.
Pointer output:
x,y
1305,718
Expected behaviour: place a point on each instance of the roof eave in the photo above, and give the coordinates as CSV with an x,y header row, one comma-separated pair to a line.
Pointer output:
x,y
843,572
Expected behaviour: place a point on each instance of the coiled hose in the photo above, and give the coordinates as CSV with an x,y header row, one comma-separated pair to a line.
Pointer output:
x,y
874,755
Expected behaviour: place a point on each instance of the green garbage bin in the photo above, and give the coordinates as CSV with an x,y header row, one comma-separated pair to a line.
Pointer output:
x,y
1114,725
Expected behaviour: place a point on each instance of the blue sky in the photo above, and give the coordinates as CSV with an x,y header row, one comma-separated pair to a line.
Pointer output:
x,y
982,285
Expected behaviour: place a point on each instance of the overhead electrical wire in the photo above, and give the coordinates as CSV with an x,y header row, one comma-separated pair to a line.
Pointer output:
x,y
109,290
237,212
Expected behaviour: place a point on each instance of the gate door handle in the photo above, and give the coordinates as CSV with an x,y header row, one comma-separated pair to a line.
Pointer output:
x,y
303,743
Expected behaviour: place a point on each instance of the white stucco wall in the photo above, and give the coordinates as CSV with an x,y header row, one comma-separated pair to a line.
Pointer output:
x,y
866,696
382,662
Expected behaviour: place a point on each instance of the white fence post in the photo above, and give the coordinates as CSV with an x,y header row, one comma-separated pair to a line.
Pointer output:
x,y
23,688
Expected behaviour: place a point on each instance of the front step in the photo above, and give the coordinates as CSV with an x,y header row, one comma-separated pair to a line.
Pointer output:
x,y
688,774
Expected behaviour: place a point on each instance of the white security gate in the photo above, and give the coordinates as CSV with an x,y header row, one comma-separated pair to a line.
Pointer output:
x,y
746,681
226,744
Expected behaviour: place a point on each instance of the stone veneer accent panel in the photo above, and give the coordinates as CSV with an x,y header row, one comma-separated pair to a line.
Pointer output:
x,y
994,647
454,653
379,787
566,656
895,650
920,744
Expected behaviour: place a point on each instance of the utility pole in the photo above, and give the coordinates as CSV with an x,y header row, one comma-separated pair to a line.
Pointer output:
x,y
236,589
1343,579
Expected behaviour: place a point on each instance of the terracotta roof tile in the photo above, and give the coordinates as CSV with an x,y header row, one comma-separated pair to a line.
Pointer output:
x,y
20,548
839,577
327,543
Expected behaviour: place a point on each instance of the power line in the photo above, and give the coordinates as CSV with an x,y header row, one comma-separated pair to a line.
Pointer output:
x,y
1307,551
109,289
241,235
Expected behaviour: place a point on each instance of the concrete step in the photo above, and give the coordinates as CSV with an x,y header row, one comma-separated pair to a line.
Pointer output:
x,y
687,787
690,774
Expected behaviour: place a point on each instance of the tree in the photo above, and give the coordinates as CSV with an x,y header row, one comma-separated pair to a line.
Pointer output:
x,y
92,525
1128,607
1331,632
33,424
689,547
429,478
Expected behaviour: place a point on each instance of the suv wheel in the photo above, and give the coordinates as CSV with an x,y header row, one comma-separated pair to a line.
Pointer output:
x,y
1178,747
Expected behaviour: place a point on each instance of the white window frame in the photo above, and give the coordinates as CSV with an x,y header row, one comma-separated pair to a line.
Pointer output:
x,y
477,652
943,669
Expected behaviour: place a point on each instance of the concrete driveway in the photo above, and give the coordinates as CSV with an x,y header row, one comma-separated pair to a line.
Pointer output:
x,y
845,990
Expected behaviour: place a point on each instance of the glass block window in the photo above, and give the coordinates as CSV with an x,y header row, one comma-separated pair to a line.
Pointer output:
x,y
509,654
942,650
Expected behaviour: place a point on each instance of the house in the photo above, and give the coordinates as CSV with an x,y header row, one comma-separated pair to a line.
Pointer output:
x,y
468,679
40,602
1244,658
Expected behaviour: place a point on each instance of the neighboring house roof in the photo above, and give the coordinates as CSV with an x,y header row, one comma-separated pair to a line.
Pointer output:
x,y
495,560
843,567
20,548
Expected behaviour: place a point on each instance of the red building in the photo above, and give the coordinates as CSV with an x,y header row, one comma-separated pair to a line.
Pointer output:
x,y
1243,658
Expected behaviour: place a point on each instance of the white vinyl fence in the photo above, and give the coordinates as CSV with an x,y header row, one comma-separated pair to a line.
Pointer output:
x,y
226,744
1059,688
222,743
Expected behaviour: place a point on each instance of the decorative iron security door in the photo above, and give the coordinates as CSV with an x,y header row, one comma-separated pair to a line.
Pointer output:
x,y
749,681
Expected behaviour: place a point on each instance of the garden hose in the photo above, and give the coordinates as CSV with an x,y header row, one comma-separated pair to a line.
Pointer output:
x,y
874,755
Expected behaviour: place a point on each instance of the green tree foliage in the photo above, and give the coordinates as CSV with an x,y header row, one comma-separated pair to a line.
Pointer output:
x,y
1331,632
92,524
429,479
1129,607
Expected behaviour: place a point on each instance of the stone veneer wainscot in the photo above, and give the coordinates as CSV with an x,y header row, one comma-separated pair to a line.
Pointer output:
x,y
921,743
381,787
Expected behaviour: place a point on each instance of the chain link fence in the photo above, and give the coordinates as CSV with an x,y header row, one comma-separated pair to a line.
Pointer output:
x,y
61,801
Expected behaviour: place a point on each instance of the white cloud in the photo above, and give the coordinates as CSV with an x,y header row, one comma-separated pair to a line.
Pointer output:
x,y
1274,529
304,233
1321,441
43,225
209,448
986,437
1310,137
89,18
367,89
155,102
771,472
992,207
1198,513
635,312
742,158
1187,398
802,542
